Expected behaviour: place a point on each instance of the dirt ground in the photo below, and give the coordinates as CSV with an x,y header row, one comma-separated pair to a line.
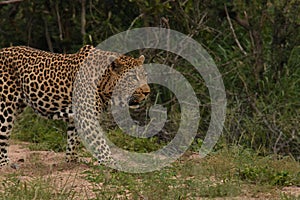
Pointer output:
x,y
51,166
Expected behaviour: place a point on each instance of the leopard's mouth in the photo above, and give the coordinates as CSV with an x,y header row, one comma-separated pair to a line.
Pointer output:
x,y
138,99
133,104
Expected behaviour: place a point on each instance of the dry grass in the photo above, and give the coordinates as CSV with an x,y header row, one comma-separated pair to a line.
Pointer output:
x,y
45,175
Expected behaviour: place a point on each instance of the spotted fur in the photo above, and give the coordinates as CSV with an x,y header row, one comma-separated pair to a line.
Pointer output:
x,y
45,82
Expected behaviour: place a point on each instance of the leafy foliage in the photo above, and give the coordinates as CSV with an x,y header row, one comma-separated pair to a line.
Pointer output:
x,y
42,133
254,44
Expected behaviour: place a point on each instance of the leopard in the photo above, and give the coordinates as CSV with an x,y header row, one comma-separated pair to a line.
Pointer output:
x,y
49,82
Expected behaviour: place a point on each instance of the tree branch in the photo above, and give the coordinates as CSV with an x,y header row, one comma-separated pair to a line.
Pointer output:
x,y
243,22
233,31
133,22
83,18
59,21
257,43
47,35
10,2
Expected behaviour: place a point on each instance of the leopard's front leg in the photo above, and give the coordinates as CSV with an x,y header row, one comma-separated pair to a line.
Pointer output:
x,y
8,113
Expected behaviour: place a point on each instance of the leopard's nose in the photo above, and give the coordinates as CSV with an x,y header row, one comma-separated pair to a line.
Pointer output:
x,y
145,89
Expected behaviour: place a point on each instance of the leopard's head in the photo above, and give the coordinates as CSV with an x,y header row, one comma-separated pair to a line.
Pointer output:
x,y
126,81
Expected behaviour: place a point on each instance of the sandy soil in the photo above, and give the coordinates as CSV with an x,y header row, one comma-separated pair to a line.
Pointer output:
x,y
50,166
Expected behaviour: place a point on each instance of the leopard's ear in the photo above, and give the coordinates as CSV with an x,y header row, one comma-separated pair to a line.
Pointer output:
x,y
112,58
115,62
141,59
85,49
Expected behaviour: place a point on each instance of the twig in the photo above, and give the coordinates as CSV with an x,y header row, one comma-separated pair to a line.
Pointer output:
x,y
59,22
10,2
83,18
233,31
133,22
275,149
47,35
233,60
164,23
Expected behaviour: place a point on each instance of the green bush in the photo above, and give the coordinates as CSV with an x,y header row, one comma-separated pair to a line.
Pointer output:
x,y
44,134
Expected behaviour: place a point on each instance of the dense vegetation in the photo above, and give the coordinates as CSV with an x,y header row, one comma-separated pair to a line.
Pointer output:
x,y
255,45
